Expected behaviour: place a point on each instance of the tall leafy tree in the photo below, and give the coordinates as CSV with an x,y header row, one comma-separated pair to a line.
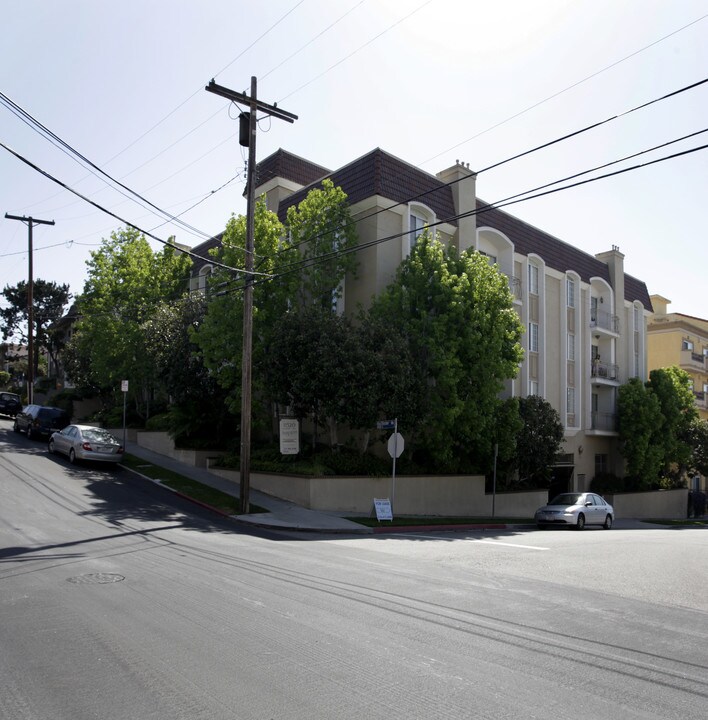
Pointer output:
x,y
49,300
539,441
125,282
324,366
456,311
197,412
672,388
220,334
639,419
322,229
698,440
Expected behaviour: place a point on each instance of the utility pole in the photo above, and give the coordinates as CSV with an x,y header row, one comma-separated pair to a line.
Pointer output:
x,y
30,221
248,139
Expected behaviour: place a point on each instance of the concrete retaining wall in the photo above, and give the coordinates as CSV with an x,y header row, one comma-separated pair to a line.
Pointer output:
x,y
162,443
670,504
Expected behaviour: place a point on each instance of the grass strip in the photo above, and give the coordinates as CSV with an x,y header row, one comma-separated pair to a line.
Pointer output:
x,y
191,488
409,521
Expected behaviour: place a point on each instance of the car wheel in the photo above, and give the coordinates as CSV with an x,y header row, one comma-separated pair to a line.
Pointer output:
x,y
29,432
608,523
51,447
72,456
580,523
540,526
16,427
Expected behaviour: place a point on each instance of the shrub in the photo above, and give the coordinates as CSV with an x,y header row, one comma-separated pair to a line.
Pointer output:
x,y
158,423
608,482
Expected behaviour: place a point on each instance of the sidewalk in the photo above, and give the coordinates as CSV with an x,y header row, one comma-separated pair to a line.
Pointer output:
x,y
282,515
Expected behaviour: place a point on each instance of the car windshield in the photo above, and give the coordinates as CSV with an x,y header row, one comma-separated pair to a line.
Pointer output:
x,y
566,499
98,435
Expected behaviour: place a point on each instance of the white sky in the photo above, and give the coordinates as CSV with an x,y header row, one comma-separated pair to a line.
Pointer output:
x,y
425,81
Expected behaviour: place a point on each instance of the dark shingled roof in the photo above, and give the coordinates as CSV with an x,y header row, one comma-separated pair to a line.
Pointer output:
x,y
203,251
556,253
378,173
291,167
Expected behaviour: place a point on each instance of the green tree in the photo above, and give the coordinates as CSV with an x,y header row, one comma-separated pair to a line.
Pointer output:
x,y
457,314
322,365
672,387
126,281
219,336
49,300
698,441
639,420
539,441
197,414
322,229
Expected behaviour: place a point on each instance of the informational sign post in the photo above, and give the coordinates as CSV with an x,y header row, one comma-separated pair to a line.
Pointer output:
x,y
383,509
289,436
124,390
395,447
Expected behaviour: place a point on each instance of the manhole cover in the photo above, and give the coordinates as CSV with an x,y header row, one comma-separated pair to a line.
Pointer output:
x,y
96,579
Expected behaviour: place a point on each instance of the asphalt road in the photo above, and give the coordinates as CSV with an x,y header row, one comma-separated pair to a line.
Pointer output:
x,y
119,601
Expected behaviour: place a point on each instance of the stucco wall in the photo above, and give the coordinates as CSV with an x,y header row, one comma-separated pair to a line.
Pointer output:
x,y
455,495
661,504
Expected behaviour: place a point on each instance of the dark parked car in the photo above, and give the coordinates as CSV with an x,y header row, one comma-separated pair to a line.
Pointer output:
x,y
10,404
39,421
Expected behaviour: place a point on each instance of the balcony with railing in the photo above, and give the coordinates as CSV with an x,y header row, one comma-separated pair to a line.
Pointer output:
x,y
700,396
604,372
515,287
692,360
603,421
602,320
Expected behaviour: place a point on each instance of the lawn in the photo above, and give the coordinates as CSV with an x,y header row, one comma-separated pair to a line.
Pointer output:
x,y
186,486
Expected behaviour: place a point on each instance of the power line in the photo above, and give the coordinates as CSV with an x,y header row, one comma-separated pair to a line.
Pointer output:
x,y
560,92
34,123
511,200
122,220
354,52
567,136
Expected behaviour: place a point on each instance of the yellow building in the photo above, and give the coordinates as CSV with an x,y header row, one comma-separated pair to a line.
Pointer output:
x,y
682,340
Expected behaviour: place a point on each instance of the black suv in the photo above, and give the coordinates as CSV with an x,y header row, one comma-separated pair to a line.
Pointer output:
x,y
10,404
37,420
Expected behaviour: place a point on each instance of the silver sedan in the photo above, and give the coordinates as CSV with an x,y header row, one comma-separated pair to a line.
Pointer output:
x,y
84,442
576,509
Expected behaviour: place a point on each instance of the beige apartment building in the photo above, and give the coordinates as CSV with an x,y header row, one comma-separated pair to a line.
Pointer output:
x,y
682,340
585,318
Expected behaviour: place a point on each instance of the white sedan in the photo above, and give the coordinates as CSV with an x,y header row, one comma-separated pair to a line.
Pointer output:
x,y
84,442
576,509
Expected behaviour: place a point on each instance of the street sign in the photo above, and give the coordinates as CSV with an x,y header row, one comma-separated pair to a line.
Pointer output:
x,y
386,425
395,445
124,386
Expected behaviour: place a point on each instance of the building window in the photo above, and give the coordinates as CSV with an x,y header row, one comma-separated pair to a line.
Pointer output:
x,y
687,345
533,279
570,292
417,227
593,310
533,387
533,337
601,463
571,347
492,258
570,401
